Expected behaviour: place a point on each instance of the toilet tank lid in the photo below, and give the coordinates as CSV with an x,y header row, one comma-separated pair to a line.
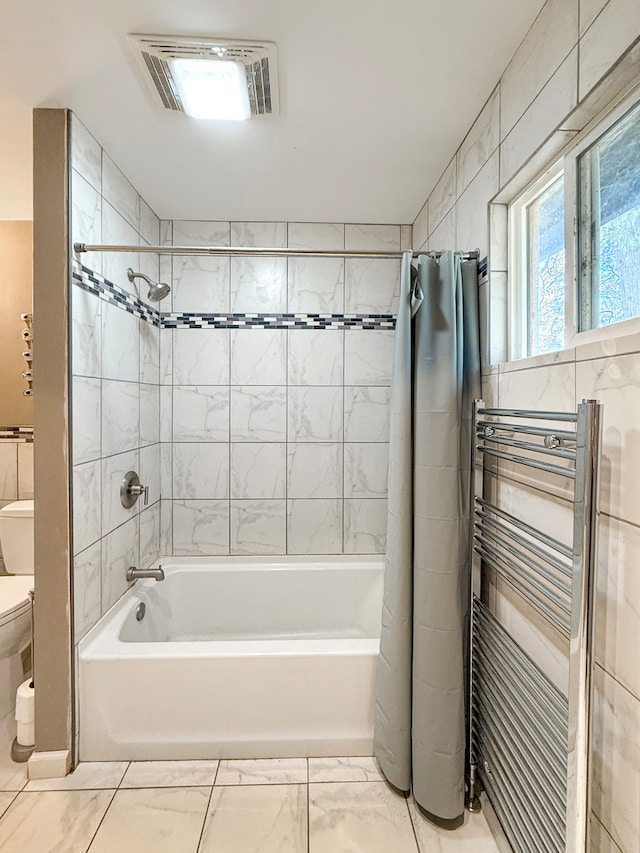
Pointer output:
x,y
18,509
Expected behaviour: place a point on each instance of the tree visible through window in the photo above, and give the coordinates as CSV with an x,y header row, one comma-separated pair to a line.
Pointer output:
x,y
545,255
610,225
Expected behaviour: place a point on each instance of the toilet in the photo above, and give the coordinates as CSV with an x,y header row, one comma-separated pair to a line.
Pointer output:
x,y
16,539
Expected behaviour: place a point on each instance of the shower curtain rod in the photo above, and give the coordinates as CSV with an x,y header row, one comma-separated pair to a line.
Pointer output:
x,y
80,248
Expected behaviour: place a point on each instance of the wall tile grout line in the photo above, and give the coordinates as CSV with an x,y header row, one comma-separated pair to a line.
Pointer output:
x,y
617,681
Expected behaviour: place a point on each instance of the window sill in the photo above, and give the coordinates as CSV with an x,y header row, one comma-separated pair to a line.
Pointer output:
x,y
543,359
617,339
604,342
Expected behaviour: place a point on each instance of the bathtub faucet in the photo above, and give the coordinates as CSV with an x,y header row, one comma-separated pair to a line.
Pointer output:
x,y
133,574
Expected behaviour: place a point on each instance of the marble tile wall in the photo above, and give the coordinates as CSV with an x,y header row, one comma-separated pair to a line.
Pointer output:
x,y
565,71
16,474
276,440
115,388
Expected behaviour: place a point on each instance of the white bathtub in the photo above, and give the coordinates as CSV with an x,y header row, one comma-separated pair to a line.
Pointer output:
x,y
235,658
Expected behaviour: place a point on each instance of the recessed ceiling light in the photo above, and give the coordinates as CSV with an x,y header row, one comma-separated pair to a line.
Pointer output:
x,y
212,88
183,71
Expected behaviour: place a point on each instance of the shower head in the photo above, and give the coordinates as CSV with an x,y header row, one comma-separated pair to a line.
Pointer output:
x,y
157,291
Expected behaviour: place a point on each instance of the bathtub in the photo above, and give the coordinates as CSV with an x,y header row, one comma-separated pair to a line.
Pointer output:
x,y
235,658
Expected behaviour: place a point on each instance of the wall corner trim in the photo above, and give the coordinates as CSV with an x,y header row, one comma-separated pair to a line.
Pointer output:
x,y
49,765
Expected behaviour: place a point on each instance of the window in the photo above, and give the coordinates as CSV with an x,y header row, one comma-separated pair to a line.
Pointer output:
x,y
545,262
609,244
538,261
554,294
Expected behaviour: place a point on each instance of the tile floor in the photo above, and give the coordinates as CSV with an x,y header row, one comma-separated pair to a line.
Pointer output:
x,y
295,805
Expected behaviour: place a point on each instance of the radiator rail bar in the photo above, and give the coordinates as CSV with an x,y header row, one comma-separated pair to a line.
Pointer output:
x,y
526,528
529,745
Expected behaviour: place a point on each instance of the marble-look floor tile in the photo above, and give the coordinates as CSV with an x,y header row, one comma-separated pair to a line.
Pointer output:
x,y
474,836
60,821
153,820
364,769
12,776
257,819
6,798
170,774
362,817
272,771
87,775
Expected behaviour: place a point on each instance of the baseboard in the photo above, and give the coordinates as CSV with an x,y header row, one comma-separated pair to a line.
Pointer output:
x,y
49,765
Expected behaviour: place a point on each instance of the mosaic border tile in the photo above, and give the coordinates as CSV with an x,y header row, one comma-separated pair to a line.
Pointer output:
x,y
278,321
102,288
98,285
16,433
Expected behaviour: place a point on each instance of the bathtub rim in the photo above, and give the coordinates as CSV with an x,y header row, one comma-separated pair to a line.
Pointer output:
x,y
102,641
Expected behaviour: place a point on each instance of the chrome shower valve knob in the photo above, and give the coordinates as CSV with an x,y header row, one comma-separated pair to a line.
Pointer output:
x,y
131,489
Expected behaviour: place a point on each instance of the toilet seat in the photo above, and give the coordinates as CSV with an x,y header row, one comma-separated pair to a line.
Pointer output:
x,y
14,597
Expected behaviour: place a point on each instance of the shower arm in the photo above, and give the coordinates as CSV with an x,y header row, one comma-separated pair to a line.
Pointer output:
x,y
131,275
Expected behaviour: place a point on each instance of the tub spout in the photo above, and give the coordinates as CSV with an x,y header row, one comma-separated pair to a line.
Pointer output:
x,y
133,574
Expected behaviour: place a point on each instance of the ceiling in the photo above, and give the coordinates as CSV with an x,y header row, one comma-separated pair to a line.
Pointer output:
x,y
375,97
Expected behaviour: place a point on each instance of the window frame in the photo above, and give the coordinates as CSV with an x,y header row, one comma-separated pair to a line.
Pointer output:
x,y
568,164
518,241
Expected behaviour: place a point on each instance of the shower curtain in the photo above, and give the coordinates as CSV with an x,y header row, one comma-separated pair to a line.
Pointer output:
x,y
419,736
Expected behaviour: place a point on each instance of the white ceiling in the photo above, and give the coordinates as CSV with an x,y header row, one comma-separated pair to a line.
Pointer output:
x,y
375,97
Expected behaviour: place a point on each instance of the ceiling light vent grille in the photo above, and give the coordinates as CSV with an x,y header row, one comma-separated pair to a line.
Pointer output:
x,y
259,60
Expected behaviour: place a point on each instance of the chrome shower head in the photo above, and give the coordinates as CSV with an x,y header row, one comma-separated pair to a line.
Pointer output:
x,y
157,291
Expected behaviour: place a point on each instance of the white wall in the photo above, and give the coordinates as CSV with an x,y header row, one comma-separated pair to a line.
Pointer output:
x,y
275,439
578,56
116,389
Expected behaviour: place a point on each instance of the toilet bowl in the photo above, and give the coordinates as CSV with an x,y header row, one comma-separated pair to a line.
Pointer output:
x,y
15,614
16,540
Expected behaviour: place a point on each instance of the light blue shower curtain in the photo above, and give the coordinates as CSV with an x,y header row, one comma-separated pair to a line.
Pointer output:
x,y
420,695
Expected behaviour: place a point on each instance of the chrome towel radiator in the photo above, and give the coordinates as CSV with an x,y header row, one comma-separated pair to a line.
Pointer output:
x,y
528,742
